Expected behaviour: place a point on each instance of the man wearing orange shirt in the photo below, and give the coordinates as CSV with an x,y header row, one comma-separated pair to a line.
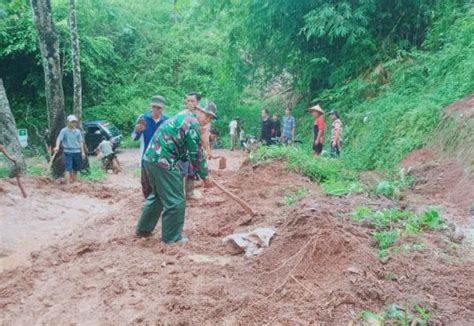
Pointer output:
x,y
319,126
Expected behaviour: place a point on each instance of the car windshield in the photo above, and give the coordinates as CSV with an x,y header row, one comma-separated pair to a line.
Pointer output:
x,y
112,128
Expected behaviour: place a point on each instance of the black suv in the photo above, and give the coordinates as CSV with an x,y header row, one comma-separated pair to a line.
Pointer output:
x,y
95,130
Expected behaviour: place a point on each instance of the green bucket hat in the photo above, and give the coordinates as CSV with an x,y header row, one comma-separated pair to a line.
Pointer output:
x,y
208,107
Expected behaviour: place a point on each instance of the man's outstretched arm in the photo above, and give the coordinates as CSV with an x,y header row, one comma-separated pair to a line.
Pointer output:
x,y
5,152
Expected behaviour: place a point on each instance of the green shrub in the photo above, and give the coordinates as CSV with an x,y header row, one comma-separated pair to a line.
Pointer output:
x,y
330,173
96,172
128,142
386,238
392,225
387,189
395,315
291,199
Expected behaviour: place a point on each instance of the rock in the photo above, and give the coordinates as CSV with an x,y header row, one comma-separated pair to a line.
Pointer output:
x,y
457,236
354,270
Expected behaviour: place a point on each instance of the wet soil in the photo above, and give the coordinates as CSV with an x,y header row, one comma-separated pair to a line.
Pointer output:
x,y
319,269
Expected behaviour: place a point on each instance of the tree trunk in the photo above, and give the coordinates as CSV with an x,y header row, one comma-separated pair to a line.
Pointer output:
x,y
9,133
76,65
76,72
49,46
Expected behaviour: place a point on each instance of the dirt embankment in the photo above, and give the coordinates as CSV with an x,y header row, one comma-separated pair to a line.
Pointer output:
x,y
444,170
320,267
454,136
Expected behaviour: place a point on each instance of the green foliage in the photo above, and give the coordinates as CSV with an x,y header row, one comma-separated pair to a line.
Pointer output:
x,y
330,173
96,173
322,42
391,277
128,142
386,119
341,187
392,225
392,189
387,189
36,170
129,52
396,315
386,238
388,67
4,172
369,316
291,199
361,213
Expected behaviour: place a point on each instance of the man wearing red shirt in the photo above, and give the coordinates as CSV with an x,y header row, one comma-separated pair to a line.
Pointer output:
x,y
319,126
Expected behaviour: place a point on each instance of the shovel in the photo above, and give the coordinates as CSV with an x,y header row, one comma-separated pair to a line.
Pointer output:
x,y
242,203
17,175
51,161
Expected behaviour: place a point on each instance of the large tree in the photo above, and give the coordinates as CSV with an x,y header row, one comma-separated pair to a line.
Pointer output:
x,y
76,65
49,47
8,131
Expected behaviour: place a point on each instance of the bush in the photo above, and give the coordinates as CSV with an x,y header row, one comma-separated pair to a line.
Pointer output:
x,y
330,173
392,225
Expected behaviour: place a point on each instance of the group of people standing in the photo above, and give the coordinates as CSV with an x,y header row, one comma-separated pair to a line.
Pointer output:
x,y
271,130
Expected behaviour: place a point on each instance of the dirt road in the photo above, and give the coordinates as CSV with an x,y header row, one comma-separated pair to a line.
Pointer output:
x,y
84,266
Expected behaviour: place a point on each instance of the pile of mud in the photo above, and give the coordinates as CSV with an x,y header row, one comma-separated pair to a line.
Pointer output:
x,y
441,181
454,136
320,267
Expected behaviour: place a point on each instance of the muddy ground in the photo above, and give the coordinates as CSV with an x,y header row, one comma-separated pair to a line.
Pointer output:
x,y
69,255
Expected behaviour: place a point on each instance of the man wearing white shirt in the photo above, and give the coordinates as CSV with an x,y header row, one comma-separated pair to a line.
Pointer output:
x,y
233,133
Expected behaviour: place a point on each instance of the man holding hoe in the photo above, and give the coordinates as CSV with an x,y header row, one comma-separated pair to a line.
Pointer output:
x,y
71,139
178,139
7,155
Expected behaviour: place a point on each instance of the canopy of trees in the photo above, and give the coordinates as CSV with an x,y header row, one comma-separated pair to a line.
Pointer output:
x,y
340,53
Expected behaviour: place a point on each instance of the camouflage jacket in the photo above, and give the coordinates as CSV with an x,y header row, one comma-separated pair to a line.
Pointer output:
x,y
178,139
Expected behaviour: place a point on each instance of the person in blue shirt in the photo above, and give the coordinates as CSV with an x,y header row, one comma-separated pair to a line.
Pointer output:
x,y
70,138
146,126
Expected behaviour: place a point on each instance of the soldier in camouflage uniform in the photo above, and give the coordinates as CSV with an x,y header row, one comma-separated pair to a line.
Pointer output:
x,y
192,101
178,139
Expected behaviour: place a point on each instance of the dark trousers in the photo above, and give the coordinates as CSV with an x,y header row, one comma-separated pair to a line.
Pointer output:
x,y
335,151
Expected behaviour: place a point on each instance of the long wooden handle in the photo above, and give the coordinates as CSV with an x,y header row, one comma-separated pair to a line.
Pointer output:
x,y
52,160
23,192
244,205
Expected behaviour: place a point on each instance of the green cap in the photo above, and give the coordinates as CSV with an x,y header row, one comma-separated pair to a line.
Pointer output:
x,y
158,100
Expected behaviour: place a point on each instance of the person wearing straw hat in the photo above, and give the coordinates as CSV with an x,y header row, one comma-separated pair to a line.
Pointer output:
x,y
70,138
178,139
319,126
